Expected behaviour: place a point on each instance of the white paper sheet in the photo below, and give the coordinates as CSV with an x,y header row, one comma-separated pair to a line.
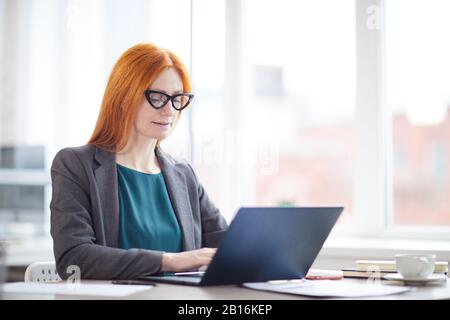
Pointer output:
x,y
82,289
328,288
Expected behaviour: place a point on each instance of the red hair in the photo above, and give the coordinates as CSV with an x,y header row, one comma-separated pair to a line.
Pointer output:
x,y
132,74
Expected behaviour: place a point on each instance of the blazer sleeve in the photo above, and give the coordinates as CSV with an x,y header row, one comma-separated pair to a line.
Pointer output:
x,y
214,225
74,239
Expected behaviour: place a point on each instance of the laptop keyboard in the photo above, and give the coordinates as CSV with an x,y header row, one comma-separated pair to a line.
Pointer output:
x,y
190,274
193,279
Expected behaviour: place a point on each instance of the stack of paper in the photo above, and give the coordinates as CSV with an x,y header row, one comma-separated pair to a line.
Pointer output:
x,y
327,288
380,268
390,265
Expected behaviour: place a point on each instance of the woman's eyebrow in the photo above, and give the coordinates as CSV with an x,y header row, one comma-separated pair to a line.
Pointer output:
x,y
164,91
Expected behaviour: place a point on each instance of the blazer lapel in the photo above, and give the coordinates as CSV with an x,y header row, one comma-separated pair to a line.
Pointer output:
x,y
106,178
176,187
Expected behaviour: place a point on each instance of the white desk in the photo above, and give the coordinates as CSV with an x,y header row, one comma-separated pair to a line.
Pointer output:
x,y
178,292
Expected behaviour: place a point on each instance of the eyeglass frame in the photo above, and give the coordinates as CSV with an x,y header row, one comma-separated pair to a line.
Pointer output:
x,y
169,98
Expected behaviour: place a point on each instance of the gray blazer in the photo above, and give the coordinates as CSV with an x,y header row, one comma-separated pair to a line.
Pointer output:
x,y
85,214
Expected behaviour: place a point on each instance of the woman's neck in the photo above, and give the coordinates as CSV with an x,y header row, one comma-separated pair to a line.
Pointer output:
x,y
139,154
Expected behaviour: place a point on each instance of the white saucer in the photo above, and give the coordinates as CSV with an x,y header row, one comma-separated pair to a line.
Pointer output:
x,y
414,280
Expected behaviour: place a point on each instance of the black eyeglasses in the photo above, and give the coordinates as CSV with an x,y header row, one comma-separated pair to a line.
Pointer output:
x,y
158,99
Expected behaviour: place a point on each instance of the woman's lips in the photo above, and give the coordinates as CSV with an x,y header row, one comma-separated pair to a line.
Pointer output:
x,y
162,124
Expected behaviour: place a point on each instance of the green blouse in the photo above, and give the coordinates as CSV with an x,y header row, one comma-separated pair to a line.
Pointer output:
x,y
146,216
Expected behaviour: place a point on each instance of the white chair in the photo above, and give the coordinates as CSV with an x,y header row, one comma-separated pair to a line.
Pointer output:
x,y
42,271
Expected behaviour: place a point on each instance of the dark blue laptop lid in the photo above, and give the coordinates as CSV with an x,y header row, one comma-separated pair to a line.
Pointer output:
x,y
272,243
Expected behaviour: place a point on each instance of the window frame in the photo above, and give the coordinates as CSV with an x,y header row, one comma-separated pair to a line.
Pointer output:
x,y
373,175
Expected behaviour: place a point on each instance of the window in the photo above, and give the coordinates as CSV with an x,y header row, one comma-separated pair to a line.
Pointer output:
x,y
51,94
301,56
298,64
209,149
290,105
418,93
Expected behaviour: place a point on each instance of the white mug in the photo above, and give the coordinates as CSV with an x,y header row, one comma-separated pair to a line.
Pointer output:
x,y
415,265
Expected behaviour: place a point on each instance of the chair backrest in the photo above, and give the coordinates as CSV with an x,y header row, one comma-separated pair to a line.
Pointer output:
x,y
42,271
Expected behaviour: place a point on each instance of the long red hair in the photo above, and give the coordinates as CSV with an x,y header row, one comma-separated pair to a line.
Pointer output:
x,y
132,74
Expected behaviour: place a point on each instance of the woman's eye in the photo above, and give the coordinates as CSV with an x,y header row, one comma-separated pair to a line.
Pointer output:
x,y
178,100
157,98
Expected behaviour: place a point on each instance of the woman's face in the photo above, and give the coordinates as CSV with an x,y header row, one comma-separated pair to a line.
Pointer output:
x,y
157,123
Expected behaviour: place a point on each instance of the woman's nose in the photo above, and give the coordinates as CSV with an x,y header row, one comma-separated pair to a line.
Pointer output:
x,y
168,109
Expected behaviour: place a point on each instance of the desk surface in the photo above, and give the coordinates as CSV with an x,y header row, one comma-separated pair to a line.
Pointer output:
x,y
179,292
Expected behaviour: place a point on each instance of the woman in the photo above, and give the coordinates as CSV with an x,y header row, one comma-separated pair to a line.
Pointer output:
x,y
122,208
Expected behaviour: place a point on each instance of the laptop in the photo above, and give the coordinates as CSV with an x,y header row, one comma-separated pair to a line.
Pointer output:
x,y
263,244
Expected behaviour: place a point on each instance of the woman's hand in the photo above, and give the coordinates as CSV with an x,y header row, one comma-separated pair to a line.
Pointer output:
x,y
187,260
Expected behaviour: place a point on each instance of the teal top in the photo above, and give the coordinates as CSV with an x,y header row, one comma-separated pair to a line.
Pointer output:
x,y
146,216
